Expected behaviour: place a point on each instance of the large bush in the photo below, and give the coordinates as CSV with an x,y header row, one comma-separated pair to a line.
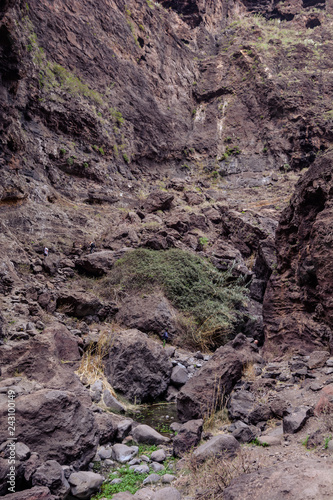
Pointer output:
x,y
208,298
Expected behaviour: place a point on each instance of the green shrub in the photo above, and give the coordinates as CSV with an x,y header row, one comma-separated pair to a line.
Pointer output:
x,y
203,241
258,443
204,295
126,158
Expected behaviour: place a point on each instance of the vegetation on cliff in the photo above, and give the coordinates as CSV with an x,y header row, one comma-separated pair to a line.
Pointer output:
x,y
207,298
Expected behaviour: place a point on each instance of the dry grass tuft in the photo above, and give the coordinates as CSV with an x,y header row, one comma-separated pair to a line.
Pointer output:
x,y
216,414
208,480
249,372
91,367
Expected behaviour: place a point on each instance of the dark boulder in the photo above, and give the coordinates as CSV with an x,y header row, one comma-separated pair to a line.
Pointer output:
x,y
56,425
158,200
188,436
148,313
206,390
137,366
98,263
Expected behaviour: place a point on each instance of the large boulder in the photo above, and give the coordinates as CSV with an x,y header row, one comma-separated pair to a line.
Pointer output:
x,y
147,435
242,405
84,484
222,445
158,200
148,313
78,304
294,422
55,424
48,359
51,474
137,366
303,479
188,436
206,390
98,263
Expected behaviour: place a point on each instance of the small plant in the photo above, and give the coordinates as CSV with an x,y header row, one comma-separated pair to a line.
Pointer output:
x,y
85,165
101,150
63,151
126,158
203,241
70,161
306,440
327,440
256,442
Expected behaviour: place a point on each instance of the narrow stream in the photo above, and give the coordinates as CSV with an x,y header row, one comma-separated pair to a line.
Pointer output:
x,y
159,416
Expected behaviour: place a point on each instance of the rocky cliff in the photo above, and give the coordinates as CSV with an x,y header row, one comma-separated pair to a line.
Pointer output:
x,y
196,125
100,104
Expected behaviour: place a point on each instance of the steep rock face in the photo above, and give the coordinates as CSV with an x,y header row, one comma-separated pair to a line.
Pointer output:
x,y
298,308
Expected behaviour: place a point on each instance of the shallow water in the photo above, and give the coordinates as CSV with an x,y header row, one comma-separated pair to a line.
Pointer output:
x,y
159,416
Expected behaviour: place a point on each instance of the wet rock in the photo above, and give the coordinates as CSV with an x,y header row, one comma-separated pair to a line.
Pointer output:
x,y
221,445
189,435
296,420
51,474
147,435
172,393
137,366
84,484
